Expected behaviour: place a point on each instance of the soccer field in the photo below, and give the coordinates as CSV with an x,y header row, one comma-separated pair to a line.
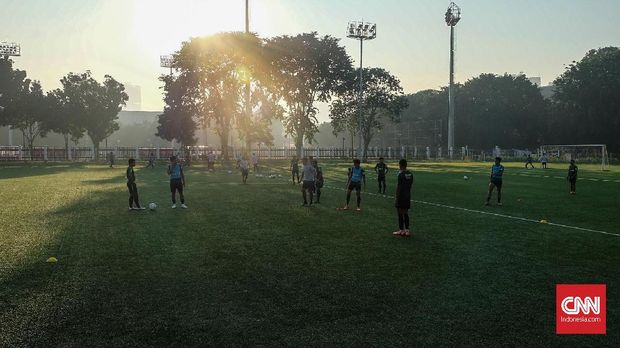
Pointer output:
x,y
247,265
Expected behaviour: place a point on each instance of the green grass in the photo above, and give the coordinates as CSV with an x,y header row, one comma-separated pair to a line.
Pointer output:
x,y
246,265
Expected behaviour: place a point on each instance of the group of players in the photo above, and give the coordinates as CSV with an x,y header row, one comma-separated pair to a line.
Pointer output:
x,y
312,181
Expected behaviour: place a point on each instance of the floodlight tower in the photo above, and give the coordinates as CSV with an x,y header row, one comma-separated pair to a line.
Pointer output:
x,y
10,49
166,62
453,16
361,31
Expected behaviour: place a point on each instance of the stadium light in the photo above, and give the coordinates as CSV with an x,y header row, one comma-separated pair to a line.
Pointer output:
x,y
166,61
10,49
361,31
452,17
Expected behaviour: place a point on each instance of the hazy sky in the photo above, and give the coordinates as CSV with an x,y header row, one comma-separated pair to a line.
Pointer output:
x,y
124,38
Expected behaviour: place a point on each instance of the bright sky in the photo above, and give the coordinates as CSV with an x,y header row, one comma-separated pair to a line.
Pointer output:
x,y
124,38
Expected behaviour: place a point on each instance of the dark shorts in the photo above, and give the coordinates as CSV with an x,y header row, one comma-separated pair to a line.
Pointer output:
x,y
381,178
295,171
308,185
403,202
245,172
357,186
176,185
497,183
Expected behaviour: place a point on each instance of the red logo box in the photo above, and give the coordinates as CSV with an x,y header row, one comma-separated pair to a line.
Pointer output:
x,y
581,309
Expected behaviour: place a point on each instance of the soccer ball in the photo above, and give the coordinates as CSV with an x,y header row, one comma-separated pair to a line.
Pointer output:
x,y
152,206
465,177
230,172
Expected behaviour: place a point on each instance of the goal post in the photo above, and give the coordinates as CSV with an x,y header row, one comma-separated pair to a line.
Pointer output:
x,y
584,153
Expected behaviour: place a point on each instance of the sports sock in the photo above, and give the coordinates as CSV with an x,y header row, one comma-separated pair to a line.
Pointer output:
x,y
348,198
359,200
401,221
406,216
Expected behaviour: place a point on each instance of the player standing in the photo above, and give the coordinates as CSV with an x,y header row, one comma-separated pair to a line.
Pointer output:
x,y
308,177
244,166
177,181
497,172
319,180
572,177
255,163
543,161
381,169
131,185
356,176
403,199
295,169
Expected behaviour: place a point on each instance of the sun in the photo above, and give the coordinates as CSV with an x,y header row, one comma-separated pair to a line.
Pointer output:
x,y
159,27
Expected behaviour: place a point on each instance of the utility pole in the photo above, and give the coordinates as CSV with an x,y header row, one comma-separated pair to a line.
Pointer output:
x,y
453,16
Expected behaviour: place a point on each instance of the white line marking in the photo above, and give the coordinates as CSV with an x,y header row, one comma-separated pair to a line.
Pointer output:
x,y
497,215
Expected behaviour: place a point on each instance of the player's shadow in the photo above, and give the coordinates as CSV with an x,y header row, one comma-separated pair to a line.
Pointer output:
x,y
21,170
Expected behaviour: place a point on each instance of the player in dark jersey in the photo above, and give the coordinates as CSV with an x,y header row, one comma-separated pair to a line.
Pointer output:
x,y
497,173
381,169
319,180
131,185
572,177
356,176
529,161
177,181
403,199
295,169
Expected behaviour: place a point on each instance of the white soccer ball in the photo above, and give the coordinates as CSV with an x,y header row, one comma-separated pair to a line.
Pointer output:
x,y
152,206
465,177
230,172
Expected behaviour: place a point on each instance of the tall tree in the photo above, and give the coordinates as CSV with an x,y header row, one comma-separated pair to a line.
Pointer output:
x,y
178,122
62,118
12,84
383,100
31,112
305,69
503,110
587,100
96,104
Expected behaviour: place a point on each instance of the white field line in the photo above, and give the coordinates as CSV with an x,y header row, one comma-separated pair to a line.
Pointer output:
x,y
491,214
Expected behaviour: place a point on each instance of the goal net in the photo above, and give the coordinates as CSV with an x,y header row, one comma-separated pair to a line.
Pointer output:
x,y
588,153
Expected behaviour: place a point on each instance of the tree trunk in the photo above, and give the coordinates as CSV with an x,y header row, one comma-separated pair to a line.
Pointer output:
x,y
96,148
299,144
224,143
66,136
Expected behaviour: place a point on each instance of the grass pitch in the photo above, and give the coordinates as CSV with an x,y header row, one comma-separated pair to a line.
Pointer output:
x,y
247,265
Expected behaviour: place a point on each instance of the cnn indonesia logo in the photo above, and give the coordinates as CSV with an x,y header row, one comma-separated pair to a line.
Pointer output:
x,y
580,309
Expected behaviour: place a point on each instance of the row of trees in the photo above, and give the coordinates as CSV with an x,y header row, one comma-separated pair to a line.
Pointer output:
x,y
511,112
285,77
82,106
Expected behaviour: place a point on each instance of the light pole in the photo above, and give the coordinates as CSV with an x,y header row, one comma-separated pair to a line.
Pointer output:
x,y
361,31
248,99
453,16
10,49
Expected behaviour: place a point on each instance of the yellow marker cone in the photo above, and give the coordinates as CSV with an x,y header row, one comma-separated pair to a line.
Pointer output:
x,y
543,221
52,259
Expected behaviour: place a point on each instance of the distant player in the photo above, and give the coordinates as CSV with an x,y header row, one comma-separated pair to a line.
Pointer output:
x,y
308,177
319,180
572,177
381,169
295,169
356,176
177,181
211,161
529,161
255,163
543,161
403,199
151,160
497,172
244,166
111,159
131,185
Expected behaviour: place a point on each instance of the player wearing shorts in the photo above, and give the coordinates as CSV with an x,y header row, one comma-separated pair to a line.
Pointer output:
x,y
319,180
403,199
308,177
295,169
572,177
529,161
131,186
177,181
497,173
244,166
356,176
381,169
